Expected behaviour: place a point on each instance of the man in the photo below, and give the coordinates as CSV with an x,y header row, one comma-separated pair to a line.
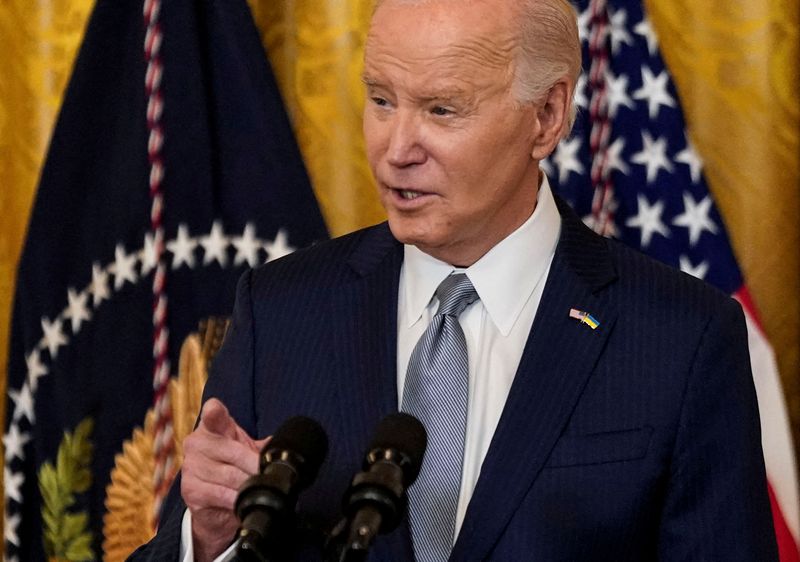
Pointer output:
x,y
594,405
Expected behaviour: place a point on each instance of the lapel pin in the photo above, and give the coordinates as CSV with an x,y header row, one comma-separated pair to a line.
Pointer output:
x,y
584,317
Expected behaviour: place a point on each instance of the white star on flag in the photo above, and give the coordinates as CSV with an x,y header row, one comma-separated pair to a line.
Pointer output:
x,y
123,267
215,245
14,443
566,158
579,99
691,158
695,218
614,159
584,19
619,31
53,335
23,403
698,271
182,248
247,247
617,91
648,219
36,368
13,481
99,287
654,90
644,29
149,254
12,522
279,247
77,311
653,155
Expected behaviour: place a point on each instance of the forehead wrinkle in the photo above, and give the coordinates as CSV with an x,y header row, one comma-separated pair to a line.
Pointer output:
x,y
440,83
453,63
484,52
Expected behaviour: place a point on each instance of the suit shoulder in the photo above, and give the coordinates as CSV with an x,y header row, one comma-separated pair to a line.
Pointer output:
x,y
660,287
323,264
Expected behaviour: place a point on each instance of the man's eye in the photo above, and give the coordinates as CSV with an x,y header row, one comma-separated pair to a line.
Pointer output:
x,y
439,110
380,101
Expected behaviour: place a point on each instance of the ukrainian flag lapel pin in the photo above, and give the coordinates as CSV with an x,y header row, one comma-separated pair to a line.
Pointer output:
x,y
584,318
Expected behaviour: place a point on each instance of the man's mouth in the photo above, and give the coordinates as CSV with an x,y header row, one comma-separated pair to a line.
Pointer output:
x,y
409,193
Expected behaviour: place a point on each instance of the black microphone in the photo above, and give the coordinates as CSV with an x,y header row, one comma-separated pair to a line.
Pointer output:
x,y
376,500
266,501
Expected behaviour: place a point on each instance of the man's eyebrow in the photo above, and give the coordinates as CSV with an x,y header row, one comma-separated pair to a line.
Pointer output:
x,y
443,93
368,80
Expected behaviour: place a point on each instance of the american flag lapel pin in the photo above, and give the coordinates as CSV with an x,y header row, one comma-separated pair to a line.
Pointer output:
x,y
584,318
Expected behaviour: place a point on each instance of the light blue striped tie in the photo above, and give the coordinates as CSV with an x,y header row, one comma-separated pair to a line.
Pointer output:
x,y
436,391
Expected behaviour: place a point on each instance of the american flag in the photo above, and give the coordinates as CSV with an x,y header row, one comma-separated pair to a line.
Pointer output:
x,y
630,169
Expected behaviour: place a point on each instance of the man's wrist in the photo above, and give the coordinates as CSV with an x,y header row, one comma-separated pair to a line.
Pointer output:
x,y
194,550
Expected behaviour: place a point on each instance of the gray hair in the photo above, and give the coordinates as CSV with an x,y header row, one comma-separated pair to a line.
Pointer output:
x,y
550,50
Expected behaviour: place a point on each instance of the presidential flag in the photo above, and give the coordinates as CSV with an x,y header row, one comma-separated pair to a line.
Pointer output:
x,y
631,170
172,168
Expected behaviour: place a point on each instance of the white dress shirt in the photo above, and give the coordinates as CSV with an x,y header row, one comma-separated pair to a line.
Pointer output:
x,y
509,280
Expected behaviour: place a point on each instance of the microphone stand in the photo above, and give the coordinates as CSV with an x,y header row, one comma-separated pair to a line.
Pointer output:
x,y
339,547
352,538
245,551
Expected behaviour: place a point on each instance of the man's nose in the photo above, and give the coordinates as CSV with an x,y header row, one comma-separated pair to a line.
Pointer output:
x,y
405,143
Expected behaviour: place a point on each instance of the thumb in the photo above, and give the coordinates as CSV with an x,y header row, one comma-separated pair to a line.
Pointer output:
x,y
216,419
259,444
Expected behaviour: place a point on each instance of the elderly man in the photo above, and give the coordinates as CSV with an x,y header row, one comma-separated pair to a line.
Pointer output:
x,y
582,402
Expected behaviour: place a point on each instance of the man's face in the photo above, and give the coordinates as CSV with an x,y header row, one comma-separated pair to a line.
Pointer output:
x,y
449,147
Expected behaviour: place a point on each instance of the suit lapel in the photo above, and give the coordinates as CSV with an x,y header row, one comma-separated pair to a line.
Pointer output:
x,y
365,343
555,366
366,354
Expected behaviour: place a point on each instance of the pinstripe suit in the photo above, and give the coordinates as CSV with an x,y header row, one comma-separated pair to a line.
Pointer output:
x,y
635,441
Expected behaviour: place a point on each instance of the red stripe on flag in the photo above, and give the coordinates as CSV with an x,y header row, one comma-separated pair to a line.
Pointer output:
x,y
787,549
743,296
777,459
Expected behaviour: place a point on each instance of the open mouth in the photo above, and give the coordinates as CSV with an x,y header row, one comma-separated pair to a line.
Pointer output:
x,y
409,194
408,198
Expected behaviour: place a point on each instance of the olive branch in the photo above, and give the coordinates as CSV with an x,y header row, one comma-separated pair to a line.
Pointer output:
x,y
65,532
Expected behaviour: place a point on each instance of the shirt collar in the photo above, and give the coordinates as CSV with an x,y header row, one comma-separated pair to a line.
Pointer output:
x,y
504,277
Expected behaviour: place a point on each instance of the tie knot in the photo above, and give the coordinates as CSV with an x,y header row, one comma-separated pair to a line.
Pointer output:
x,y
455,294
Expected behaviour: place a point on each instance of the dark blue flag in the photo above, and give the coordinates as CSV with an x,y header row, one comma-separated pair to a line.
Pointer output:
x,y
172,168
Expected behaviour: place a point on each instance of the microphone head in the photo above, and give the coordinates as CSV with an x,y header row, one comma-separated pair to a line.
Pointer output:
x,y
305,438
405,434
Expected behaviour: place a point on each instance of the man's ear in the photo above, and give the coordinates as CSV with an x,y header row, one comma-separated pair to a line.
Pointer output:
x,y
553,117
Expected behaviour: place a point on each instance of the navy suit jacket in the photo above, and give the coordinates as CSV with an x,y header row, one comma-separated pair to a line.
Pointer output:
x,y
638,440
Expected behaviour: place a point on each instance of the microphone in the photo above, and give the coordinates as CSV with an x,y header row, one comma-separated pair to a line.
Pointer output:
x,y
266,501
376,500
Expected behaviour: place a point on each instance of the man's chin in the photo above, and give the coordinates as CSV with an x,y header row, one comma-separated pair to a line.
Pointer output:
x,y
408,233
425,241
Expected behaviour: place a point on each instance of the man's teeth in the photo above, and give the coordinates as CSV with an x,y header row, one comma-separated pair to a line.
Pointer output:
x,y
408,194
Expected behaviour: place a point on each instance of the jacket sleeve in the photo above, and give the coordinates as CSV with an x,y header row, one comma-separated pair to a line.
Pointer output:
x,y
717,505
231,379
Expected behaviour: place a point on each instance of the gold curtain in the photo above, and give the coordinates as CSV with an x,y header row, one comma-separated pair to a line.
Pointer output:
x,y
316,49
736,64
